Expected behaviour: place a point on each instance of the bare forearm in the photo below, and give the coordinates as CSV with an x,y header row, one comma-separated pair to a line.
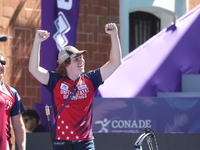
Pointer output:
x,y
34,57
20,136
40,73
115,53
19,131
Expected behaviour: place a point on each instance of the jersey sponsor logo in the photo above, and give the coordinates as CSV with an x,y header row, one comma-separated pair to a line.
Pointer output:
x,y
82,87
64,86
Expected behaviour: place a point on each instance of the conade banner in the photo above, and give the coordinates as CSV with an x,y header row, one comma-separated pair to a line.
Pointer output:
x,y
132,115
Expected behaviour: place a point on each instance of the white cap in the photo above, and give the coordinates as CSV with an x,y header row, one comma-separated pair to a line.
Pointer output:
x,y
69,51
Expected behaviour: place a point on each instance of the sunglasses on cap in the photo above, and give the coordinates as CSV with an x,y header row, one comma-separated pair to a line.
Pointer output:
x,y
3,62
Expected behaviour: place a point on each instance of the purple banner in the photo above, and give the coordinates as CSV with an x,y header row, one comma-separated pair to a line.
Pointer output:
x,y
60,18
131,115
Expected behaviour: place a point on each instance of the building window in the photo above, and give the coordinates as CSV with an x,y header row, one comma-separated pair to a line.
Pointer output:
x,y
142,26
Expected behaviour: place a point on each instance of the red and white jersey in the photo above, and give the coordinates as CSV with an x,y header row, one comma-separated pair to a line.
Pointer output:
x,y
74,122
3,137
12,106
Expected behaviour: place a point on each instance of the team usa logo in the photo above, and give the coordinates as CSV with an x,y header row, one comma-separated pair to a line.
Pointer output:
x,y
81,92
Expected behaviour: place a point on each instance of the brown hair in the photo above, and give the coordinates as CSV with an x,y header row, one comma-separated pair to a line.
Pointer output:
x,y
61,67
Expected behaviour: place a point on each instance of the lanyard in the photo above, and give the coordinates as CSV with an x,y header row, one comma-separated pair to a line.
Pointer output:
x,y
67,101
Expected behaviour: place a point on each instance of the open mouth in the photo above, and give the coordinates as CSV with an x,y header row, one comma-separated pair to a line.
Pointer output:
x,y
81,66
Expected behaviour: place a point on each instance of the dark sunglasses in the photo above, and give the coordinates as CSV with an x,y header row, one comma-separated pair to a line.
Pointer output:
x,y
26,120
3,62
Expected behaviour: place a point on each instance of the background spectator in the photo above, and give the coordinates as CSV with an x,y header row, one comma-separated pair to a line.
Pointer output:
x,y
31,120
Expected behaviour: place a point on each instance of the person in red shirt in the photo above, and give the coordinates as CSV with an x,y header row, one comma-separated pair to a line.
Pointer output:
x,y
72,89
11,107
